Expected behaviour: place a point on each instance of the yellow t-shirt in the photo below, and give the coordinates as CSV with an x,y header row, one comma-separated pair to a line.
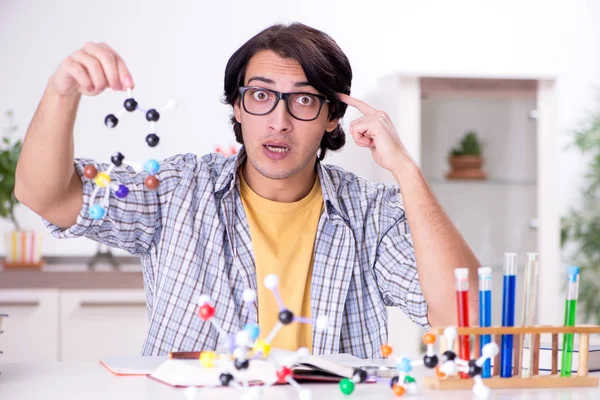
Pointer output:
x,y
283,238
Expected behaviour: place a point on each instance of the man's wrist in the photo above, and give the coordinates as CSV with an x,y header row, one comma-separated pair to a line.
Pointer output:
x,y
405,168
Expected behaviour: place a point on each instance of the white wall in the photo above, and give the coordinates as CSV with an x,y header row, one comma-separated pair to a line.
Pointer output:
x,y
492,215
179,50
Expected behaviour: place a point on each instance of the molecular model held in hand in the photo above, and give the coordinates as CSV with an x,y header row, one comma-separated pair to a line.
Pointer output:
x,y
103,179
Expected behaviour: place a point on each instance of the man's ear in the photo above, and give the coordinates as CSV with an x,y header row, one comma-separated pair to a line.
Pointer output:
x,y
237,112
331,125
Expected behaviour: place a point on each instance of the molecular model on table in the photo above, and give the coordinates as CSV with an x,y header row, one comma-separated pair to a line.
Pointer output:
x,y
103,179
450,364
245,347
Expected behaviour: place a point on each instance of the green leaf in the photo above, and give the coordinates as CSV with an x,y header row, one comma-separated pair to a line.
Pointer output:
x,y
9,156
580,228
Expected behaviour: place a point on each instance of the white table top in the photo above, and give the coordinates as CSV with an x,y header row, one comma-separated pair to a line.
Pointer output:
x,y
90,381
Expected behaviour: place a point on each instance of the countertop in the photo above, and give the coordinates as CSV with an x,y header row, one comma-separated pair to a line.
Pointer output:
x,y
74,274
91,381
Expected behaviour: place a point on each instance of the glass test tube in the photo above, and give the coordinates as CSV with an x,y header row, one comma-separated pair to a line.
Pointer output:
x,y
508,312
485,313
570,311
462,307
529,309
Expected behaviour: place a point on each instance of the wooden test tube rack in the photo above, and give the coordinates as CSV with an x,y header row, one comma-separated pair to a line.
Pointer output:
x,y
534,380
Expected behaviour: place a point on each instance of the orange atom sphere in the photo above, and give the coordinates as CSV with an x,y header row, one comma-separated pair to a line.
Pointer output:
x,y
151,182
439,373
386,350
90,171
399,390
429,338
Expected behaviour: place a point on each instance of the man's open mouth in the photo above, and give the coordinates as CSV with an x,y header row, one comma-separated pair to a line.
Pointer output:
x,y
277,149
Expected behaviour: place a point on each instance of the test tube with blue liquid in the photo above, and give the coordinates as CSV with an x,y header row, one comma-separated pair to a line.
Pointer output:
x,y
509,287
485,313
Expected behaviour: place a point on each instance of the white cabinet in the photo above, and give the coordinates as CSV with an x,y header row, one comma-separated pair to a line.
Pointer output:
x,y
71,325
31,328
97,323
517,208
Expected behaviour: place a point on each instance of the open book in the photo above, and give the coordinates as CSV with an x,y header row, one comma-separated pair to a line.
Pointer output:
x,y
185,373
546,358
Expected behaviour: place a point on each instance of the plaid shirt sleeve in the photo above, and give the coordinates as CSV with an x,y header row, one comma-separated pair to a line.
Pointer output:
x,y
396,269
133,223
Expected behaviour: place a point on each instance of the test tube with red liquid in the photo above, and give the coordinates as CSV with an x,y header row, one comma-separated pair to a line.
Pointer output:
x,y
462,307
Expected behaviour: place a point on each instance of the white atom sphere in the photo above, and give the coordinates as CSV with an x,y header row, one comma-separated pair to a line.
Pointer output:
x,y
138,167
271,281
450,333
303,352
481,391
305,394
190,393
490,350
255,392
204,299
249,295
322,323
171,104
239,353
412,388
448,368
243,338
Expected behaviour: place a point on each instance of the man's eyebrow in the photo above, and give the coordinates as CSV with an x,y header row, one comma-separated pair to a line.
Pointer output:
x,y
261,79
272,82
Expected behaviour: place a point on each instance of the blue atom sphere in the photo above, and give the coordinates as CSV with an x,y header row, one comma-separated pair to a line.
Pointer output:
x,y
122,192
404,365
151,167
97,211
252,330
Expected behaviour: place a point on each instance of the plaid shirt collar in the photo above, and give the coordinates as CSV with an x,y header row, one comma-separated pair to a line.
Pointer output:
x,y
229,179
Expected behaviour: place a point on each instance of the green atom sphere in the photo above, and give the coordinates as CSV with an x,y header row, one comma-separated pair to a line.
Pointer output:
x,y
346,386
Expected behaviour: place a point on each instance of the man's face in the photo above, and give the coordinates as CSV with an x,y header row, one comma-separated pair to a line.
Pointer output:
x,y
278,145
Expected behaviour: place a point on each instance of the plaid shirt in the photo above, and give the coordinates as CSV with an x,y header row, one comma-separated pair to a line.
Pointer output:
x,y
193,238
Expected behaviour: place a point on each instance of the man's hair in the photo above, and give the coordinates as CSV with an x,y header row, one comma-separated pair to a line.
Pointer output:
x,y
326,67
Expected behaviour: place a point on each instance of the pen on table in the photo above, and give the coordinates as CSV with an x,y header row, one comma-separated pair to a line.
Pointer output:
x,y
485,313
508,312
570,311
184,355
462,303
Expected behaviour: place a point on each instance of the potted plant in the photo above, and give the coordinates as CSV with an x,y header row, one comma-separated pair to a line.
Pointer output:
x,y
466,159
23,248
580,227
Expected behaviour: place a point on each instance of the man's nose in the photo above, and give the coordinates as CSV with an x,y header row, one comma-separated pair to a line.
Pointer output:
x,y
279,119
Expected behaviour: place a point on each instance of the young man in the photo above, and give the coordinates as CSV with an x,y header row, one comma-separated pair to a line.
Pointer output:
x,y
342,247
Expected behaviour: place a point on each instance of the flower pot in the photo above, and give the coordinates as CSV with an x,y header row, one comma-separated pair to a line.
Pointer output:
x,y
466,167
23,249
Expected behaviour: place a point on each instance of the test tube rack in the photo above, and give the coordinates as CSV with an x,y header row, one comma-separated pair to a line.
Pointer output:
x,y
532,379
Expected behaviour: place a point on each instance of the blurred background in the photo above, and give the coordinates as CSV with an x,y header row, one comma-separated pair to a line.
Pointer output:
x,y
494,99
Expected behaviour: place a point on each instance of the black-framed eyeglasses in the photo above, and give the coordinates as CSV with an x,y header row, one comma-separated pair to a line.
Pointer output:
x,y
300,105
